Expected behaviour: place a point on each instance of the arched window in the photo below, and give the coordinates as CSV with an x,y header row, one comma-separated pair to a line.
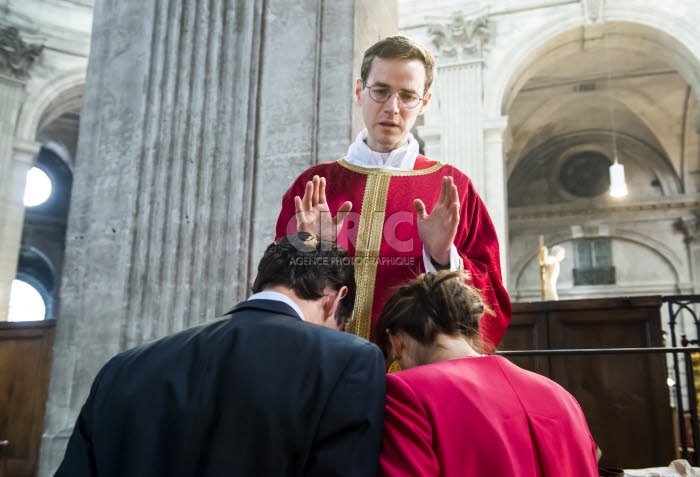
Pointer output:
x,y
38,189
47,198
593,262
33,288
27,303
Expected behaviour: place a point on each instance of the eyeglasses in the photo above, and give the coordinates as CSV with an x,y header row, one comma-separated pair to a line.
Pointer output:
x,y
381,94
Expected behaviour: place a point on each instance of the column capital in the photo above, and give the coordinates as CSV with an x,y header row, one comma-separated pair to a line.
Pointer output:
x,y
460,38
10,81
25,151
593,11
495,125
16,56
689,226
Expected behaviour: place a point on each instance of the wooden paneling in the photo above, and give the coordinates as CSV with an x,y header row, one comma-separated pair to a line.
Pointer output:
x,y
624,397
529,331
25,364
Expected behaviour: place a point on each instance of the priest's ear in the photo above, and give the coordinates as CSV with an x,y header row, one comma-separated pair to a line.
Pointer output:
x,y
424,102
359,86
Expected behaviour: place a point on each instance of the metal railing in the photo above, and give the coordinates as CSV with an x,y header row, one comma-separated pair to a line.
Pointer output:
x,y
678,305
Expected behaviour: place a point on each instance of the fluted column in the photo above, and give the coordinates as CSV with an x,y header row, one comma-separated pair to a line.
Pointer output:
x,y
16,57
458,43
467,139
197,115
157,236
462,141
12,180
495,192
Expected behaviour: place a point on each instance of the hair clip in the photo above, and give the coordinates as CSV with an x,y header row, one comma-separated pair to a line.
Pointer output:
x,y
311,241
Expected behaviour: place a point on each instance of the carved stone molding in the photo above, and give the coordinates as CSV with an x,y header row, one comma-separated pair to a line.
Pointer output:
x,y
16,56
460,38
593,11
600,206
689,227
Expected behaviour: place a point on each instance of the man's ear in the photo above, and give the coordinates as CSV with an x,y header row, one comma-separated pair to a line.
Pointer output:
x,y
358,89
425,102
332,303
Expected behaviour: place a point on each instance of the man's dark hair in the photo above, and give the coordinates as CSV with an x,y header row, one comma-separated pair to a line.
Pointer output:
x,y
402,48
307,265
433,303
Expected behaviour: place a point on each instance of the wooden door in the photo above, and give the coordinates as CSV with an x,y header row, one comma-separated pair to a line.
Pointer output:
x,y
25,366
624,396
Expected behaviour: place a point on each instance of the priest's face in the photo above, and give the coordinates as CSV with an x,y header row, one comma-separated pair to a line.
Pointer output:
x,y
388,122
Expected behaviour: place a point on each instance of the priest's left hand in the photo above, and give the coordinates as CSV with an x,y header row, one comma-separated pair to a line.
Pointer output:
x,y
438,229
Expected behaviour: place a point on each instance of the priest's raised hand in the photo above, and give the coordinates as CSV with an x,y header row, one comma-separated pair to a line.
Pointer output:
x,y
438,229
313,214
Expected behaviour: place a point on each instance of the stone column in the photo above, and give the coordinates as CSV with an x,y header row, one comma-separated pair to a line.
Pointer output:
x,y
690,228
197,115
458,47
467,139
495,192
16,57
462,139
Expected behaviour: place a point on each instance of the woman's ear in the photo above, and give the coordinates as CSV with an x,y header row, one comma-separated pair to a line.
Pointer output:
x,y
397,344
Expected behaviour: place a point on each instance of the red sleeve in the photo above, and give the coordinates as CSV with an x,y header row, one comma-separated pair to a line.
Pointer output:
x,y
477,244
286,222
407,442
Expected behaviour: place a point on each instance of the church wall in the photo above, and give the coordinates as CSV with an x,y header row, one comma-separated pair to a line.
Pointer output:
x,y
639,270
691,145
649,252
527,37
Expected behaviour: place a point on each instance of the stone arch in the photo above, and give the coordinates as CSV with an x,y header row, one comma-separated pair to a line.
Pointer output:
x,y
62,152
543,162
643,108
38,270
673,33
63,88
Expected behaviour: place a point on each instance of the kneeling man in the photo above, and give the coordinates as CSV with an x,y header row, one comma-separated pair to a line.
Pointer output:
x,y
265,392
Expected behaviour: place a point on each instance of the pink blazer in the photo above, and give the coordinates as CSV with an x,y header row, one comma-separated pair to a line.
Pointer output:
x,y
482,416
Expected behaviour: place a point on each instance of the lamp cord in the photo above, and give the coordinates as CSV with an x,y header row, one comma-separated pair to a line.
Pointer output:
x,y
611,97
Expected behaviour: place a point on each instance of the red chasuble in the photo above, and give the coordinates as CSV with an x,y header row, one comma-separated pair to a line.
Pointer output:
x,y
482,416
382,235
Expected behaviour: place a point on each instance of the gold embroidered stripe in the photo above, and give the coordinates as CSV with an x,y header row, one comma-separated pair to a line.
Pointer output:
x,y
392,172
369,241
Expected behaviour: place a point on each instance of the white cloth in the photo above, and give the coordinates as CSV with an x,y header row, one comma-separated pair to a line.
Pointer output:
x,y
276,296
455,262
679,467
402,158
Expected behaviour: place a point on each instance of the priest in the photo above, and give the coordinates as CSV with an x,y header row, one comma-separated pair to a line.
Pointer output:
x,y
397,212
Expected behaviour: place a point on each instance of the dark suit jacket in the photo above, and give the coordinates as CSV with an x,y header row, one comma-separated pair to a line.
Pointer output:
x,y
262,393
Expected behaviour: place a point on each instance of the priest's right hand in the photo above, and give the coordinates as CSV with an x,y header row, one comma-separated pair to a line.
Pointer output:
x,y
313,214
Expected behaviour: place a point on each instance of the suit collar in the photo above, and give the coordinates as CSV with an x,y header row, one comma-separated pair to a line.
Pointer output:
x,y
277,296
265,305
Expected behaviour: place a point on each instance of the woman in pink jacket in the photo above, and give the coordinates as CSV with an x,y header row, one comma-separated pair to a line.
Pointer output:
x,y
453,411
